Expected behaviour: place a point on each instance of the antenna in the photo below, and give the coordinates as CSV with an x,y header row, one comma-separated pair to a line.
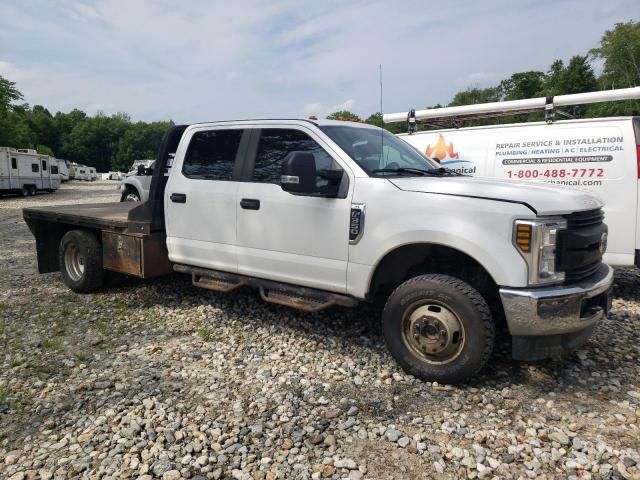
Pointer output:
x,y
382,126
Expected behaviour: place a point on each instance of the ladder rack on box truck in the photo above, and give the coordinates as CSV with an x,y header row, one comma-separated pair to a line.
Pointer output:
x,y
478,111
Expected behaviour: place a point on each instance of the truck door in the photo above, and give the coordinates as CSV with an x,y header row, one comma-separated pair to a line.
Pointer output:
x,y
200,199
288,237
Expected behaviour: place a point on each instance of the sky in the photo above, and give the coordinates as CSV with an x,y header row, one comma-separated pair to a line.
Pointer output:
x,y
205,60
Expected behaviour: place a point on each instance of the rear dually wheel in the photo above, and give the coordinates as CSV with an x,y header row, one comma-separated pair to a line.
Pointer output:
x,y
80,261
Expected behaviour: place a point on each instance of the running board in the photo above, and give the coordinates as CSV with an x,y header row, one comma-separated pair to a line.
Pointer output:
x,y
217,284
301,298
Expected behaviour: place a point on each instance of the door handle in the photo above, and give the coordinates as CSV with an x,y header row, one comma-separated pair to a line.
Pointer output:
x,y
178,197
250,203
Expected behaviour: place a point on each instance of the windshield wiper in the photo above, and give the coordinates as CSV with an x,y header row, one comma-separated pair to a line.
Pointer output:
x,y
436,172
442,171
412,171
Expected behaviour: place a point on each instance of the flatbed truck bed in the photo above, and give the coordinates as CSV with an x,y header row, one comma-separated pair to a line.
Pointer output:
x,y
128,246
111,216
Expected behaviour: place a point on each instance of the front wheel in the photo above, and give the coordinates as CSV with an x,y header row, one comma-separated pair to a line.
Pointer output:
x,y
130,195
438,328
80,260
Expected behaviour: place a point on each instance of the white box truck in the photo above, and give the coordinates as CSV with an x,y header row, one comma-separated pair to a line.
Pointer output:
x,y
598,155
24,171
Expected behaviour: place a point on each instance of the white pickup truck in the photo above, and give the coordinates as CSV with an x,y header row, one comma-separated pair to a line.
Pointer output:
x,y
322,213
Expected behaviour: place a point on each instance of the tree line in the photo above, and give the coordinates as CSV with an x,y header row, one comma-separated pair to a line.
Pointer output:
x,y
101,141
114,142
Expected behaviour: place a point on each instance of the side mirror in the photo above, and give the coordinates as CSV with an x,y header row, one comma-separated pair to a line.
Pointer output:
x,y
299,175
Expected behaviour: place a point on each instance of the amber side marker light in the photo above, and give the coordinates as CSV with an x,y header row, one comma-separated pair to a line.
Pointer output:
x,y
523,237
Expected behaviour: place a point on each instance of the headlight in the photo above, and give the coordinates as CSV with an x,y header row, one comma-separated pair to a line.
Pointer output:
x,y
536,241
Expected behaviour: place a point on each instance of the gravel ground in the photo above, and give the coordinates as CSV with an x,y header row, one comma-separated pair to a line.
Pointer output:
x,y
159,379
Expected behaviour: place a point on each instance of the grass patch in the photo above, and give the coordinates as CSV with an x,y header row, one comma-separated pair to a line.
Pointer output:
x,y
4,394
3,306
41,367
53,344
209,334
82,357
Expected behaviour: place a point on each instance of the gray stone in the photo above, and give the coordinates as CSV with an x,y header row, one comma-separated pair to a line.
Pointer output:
x,y
346,463
559,437
392,435
171,475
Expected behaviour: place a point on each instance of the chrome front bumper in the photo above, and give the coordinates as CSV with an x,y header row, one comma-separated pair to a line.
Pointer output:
x,y
558,310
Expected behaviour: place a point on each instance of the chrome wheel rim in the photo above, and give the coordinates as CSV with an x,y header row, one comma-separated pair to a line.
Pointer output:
x,y
433,333
131,197
74,262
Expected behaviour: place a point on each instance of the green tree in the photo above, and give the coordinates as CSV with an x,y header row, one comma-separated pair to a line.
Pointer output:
x,y
141,140
553,78
9,94
578,77
472,96
375,119
620,50
345,115
44,128
93,141
522,85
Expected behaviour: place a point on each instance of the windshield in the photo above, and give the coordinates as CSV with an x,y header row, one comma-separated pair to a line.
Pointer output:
x,y
377,151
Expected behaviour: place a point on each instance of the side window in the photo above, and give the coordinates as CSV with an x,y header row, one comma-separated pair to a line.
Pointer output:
x,y
14,163
54,170
35,168
276,144
211,154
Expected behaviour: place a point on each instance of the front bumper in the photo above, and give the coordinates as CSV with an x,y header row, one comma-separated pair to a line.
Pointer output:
x,y
548,320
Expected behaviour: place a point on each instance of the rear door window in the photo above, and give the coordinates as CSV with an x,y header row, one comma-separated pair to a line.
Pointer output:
x,y
211,154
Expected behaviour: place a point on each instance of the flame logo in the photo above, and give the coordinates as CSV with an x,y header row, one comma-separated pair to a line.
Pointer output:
x,y
441,150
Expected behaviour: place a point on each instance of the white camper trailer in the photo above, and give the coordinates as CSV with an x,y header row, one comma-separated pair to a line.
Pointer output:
x,y
80,172
25,172
91,174
64,170
599,155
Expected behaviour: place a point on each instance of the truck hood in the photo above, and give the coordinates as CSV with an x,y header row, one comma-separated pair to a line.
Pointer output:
x,y
542,199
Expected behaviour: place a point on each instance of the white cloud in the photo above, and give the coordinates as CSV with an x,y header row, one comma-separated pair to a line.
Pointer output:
x,y
215,60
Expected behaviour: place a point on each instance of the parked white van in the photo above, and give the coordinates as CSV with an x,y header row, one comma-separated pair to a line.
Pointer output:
x,y
25,171
601,156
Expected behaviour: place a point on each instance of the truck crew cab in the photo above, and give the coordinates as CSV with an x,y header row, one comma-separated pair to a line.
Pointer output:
x,y
321,213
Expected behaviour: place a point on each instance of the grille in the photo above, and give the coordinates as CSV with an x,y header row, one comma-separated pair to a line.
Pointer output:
x,y
585,219
579,245
575,274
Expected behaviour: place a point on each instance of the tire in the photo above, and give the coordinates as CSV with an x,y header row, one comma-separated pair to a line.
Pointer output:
x,y
24,191
32,191
130,195
80,260
438,328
